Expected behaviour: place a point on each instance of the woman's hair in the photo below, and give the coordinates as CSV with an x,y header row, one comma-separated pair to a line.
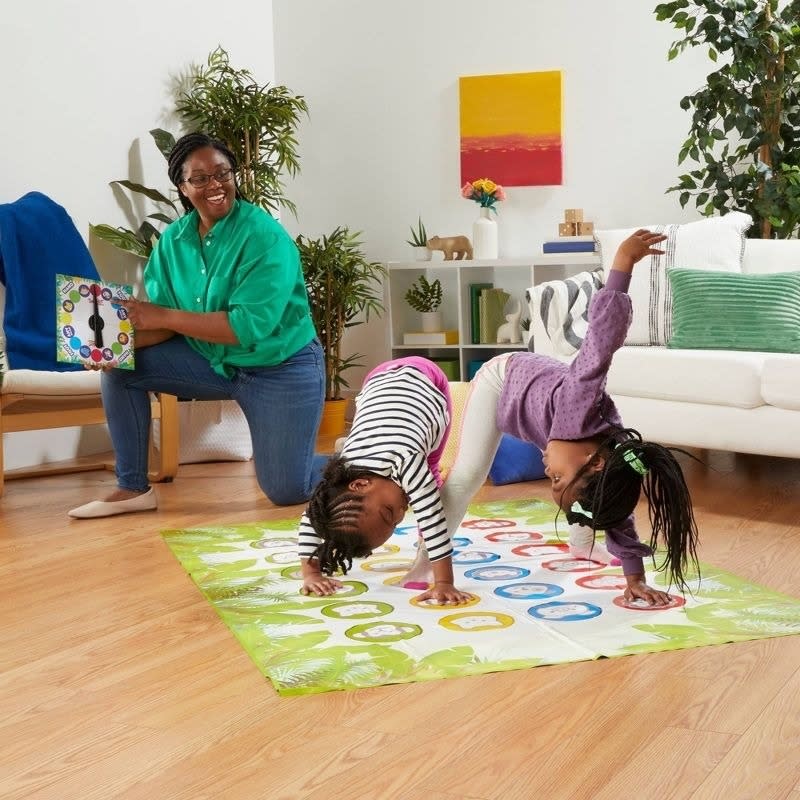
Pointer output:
x,y
334,511
606,498
183,148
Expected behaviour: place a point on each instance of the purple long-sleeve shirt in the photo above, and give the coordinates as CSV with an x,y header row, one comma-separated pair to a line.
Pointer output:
x,y
544,399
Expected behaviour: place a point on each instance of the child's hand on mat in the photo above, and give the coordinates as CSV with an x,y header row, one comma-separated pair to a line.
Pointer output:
x,y
444,593
320,584
637,588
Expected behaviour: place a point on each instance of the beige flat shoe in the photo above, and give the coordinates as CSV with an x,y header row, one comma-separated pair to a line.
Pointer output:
x,y
100,508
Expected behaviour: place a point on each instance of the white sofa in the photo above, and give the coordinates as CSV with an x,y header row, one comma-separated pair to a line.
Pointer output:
x,y
740,401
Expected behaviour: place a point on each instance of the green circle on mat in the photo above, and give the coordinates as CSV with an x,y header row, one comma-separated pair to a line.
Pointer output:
x,y
273,544
293,573
351,589
116,348
383,631
358,609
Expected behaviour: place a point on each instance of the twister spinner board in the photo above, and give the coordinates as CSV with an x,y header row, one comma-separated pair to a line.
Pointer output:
x,y
91,328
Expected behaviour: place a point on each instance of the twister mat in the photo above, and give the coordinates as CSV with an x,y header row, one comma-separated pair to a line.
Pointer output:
x,y
532,605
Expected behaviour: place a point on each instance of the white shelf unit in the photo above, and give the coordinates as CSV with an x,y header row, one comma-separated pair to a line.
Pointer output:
x,y
515,275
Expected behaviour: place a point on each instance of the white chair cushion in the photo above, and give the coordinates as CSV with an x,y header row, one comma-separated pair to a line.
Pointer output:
x,y
44,383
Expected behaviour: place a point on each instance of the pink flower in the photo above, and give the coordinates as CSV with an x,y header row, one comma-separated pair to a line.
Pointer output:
x,y
499,193
467,190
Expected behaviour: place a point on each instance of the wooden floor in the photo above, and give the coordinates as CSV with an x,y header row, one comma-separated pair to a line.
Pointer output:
x,y
117,680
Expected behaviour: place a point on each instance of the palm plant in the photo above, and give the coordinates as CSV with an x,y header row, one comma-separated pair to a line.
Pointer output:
x,y
344,288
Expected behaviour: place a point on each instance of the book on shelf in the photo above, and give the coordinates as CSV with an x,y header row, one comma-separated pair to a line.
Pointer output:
x,y
475,290
449,366
491,304
434,337
570,244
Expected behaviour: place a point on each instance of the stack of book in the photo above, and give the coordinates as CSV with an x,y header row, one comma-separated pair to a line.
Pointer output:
x,y
570,244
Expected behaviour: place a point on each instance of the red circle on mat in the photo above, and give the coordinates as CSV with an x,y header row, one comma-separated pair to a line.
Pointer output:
x,y
611,582
581,565
641,605
96,355
514,536
539,550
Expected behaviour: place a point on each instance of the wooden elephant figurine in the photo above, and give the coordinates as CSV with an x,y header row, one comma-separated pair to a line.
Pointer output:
x,y
458,247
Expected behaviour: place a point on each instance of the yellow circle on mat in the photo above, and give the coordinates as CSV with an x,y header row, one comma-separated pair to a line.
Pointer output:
x,y
386,564
470,621
386,548
435,606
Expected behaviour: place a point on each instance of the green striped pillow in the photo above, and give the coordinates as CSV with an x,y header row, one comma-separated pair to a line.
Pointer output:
x,y
735,311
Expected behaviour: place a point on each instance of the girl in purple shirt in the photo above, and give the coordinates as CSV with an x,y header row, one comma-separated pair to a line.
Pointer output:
x,y
597,467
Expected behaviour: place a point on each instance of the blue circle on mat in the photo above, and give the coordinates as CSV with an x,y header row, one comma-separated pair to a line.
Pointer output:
x,y
461,541
500,572
474,557
402,530
528,591
560,611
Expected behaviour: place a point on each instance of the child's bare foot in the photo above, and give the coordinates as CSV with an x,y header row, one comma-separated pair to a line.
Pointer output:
x,y
420,576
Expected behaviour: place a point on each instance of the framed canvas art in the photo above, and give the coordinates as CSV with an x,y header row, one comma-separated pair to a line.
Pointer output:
x,y
511,128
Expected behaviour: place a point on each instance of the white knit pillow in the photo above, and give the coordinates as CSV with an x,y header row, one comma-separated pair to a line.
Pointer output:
x,y
716,243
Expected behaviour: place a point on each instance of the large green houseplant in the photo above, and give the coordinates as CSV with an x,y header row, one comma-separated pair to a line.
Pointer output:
x,y
344,288
745,129
257,122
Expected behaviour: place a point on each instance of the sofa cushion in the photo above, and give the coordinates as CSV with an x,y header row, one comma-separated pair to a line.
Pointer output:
x,y
718,377
771,255
780,381
716,243
563,308
729,311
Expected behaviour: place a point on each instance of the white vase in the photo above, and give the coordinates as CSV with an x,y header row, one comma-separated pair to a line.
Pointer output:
x,y
431,321
421,253
484,236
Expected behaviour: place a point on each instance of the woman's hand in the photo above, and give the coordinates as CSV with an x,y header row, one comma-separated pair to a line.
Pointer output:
x,y
638,589
636,247
146,316
444,594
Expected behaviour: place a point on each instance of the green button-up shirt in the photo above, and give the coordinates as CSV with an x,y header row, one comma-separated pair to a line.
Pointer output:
x,y
246,265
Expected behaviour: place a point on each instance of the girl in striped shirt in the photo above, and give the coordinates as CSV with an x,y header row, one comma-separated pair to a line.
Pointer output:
x,y
390,461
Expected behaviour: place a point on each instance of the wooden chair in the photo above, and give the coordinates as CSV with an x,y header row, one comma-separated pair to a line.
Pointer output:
x,y
39,400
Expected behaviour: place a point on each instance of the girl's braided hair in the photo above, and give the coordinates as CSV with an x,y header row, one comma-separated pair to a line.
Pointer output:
x,y
183,148
334,511
609,496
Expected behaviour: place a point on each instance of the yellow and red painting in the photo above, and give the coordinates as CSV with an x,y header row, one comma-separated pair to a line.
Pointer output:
x,y
511,128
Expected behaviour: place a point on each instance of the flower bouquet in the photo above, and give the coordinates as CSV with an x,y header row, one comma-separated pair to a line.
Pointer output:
x,y
484,192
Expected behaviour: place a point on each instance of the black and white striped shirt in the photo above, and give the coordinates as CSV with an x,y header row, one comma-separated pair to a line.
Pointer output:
x,y
400,418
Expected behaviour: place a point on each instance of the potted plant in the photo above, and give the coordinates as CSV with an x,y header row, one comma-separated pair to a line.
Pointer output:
x,y
745,126
525,328
257,122
419,242
426,296
344,287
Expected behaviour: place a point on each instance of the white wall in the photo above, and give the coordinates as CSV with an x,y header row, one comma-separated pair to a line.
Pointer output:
x,y
382,142
83,83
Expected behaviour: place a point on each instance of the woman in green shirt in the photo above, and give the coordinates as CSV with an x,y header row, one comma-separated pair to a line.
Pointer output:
x,y
227,317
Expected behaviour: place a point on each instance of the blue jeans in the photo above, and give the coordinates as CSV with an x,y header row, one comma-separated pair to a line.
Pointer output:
x,y
282,405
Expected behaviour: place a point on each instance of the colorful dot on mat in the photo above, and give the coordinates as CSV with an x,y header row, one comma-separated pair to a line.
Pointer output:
x,y
96,355
75,342
637,604
116,348
75,296
435,605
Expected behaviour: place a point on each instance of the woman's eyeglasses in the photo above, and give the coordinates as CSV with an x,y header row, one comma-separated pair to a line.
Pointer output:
x,y
199,181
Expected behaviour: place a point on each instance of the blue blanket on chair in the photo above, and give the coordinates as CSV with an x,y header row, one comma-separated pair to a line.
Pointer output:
x,y
38,240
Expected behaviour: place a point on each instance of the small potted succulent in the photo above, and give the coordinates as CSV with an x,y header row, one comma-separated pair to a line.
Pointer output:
x,y
525,329
418,242
426,296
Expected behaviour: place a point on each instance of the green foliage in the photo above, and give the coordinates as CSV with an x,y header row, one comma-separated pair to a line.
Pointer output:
x,y
424,295
344,288
525,323
419,236
257,122
142,241
745,129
